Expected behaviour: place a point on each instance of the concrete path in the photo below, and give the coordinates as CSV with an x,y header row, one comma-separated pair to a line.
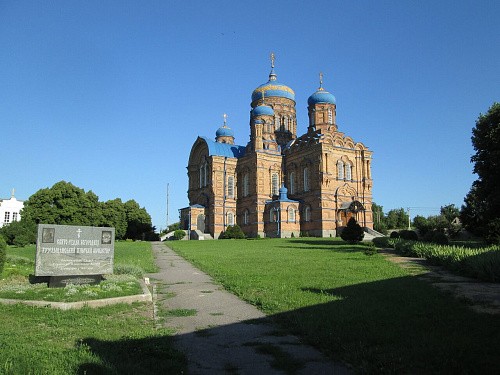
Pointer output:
x,y
223,334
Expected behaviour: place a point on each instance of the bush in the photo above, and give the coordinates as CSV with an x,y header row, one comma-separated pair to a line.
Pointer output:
x,y
179,234
408,235
370,249
493,232
3,253
395,234
436,237
352,232
232,232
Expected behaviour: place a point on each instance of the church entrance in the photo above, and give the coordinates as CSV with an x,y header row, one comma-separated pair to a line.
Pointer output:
x,y
200,223
348,210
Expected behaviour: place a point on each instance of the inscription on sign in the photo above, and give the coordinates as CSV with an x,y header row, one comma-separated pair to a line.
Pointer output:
x,y
66,250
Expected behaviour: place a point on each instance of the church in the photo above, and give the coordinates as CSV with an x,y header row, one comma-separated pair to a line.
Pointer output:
x,y
279,184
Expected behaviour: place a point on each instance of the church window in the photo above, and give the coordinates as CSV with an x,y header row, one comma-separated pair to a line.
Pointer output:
x,y
285,123
348,169
205,175
7,217
14,216
273,215
245,217
230,218
230,187
307,213
340,170
306,179
330,116
291,214
291,183
245,185
201,176
274,184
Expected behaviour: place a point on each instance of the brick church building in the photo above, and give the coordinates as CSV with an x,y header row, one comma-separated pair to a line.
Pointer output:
x,y
279,184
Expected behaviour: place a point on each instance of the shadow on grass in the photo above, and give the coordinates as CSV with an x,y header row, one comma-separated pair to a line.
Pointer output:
x,y
399,325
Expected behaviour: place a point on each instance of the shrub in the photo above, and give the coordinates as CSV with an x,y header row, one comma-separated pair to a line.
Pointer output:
x,y
436,237
395,234
408,235
352,232
493,232
370,249
232,232
179,234
3,253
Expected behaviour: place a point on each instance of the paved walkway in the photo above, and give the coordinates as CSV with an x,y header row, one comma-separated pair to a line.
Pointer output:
x,y
224,334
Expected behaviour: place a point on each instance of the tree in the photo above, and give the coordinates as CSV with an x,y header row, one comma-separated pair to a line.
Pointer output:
x,y
232,232
352,232
63,204
450,212
19,233
397,218
379,219
114,215
139,225
482,204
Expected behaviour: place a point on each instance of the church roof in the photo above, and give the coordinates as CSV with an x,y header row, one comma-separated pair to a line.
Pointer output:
x,y
273,87
262,110
321,96
224,149
224,131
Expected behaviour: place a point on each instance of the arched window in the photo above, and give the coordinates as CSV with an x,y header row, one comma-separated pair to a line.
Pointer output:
x,y
273,215
340,170
245,217
348,174
291,183
201,175
330,116
274,184
291,214
306,179
230,187
230,218
245,185
307,213
205,175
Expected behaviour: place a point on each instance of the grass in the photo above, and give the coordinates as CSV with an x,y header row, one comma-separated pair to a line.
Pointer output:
x,y
110,340
132,260
361,309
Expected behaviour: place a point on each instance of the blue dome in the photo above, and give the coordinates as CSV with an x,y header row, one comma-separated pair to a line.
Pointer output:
x,y
321,96
262,110
224,131
273,88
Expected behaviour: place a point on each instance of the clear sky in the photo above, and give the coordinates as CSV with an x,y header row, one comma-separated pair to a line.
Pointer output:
x,y
111,95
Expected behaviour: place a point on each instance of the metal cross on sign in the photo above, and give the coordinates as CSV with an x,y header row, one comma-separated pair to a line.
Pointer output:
x,y
79,231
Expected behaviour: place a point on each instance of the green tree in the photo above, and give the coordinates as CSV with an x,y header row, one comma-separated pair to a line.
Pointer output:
x,y
114,215
352,232
232,232
19,233
422,224
450,212
3,254
379,219
397,218
63,204
139,225
482,204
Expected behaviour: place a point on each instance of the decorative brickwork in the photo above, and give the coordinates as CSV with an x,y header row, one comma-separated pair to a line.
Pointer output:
x,y
281,184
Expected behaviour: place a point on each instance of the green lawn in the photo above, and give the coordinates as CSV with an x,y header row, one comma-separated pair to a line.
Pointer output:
x,y
361,309
119,339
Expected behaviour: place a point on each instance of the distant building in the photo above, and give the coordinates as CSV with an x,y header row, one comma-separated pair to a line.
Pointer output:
x,y
10,210
279,184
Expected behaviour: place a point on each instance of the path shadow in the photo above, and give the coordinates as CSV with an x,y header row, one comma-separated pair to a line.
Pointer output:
x,y
399,325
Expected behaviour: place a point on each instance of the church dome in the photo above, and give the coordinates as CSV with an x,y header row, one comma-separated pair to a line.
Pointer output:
x,y
224,131
273,89
262,110
321,96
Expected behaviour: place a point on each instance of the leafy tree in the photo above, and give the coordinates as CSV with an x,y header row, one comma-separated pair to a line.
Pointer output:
x,y
3,253
422,224
179,234
63,204
450,212
19,233
352,232
139,225
482,203
115,215
397,218
379,219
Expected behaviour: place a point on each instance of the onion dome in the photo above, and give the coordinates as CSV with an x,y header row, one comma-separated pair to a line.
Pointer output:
x,y
262,110
321,95
273,87
224,131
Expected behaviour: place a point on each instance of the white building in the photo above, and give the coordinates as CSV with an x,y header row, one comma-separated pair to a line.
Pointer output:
x,y
10,210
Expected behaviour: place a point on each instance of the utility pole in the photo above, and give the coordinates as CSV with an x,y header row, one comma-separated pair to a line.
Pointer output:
x,y
409,219
167,206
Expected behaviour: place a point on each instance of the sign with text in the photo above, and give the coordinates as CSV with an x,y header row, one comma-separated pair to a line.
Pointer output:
x,y
64,250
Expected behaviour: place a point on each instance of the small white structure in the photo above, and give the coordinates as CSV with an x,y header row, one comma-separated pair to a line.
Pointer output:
x,y
10,210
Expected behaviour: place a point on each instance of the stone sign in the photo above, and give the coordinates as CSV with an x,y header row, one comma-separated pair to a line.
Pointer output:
x,y
67,250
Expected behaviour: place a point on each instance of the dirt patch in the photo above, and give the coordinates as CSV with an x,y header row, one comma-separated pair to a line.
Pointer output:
x,y
481,296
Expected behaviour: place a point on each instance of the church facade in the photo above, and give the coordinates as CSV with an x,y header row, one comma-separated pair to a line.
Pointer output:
x,y
279,184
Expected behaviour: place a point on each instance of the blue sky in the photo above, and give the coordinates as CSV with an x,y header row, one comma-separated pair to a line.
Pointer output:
x,y
111,95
